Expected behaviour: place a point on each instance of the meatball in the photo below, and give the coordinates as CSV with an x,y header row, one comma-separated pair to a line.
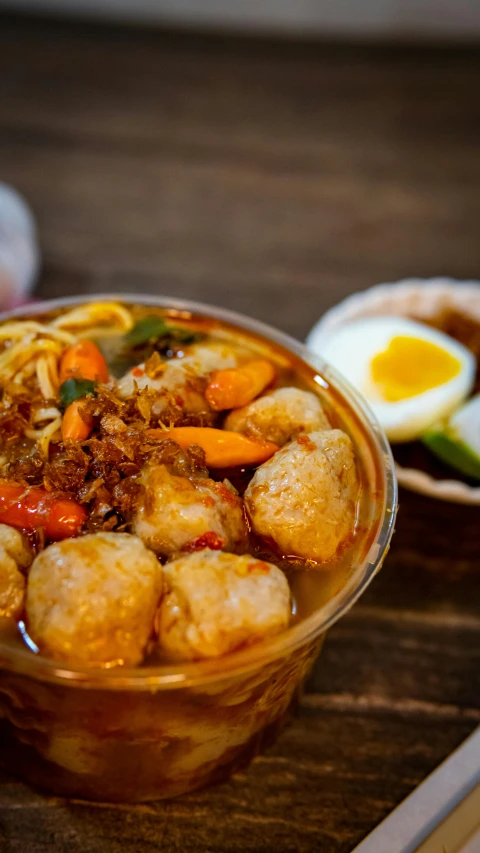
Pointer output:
x,y
177,513
216,602
14,555
92,600
216,355
304,497
180,377
279,416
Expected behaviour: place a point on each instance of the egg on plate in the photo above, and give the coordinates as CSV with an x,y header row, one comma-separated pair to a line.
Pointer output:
x,y
411,374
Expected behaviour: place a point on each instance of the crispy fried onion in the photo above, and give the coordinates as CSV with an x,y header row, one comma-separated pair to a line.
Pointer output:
x,y
101,473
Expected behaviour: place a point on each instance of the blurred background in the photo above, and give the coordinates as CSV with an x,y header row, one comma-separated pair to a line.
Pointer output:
x,y
269,156
413,18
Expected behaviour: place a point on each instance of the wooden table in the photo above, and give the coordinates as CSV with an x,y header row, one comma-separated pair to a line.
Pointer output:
x,y
274,179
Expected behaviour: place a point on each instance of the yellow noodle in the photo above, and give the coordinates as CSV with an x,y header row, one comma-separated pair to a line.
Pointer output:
x,y
48,435
17,331
44,436
35,342
31,341
52,361
25,373
36,348
44,376
97,318
18,355
46,414
53,367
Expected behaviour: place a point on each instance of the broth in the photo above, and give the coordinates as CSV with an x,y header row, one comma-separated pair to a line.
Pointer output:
x,y
311,586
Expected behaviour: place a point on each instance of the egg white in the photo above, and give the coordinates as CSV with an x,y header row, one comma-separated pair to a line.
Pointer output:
x,y
351,348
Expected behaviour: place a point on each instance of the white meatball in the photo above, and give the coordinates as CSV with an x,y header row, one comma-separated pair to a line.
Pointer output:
x,y
304,497
279,416
216,602
92,600
14,555
177,513
215,355
179,376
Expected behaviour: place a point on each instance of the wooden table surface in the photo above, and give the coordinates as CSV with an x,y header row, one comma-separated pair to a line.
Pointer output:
x,y
273,179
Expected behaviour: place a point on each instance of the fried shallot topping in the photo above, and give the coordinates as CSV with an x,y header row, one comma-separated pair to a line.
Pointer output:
x,y
101,472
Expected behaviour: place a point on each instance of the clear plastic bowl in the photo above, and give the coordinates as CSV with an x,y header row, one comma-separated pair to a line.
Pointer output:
x,y
139,734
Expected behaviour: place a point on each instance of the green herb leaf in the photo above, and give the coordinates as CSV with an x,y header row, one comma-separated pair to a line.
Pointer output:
x,y
75,389
147,329
154,329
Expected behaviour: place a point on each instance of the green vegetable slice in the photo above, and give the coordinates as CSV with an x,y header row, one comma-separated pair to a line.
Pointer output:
x,y
154,328
75,389
147,329
457,441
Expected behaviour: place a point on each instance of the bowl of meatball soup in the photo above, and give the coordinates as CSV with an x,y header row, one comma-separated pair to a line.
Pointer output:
x,y
188,500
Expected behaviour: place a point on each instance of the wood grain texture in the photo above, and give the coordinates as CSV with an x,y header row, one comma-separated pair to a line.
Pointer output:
x,y
274,179
332,774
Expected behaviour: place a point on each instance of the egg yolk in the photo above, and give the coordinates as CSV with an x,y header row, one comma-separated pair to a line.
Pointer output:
x,y
410,366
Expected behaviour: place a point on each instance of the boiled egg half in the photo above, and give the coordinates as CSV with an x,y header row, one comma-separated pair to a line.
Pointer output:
x,y
411,374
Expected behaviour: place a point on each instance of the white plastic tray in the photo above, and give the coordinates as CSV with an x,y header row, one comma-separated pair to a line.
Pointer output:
x,y
442,815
